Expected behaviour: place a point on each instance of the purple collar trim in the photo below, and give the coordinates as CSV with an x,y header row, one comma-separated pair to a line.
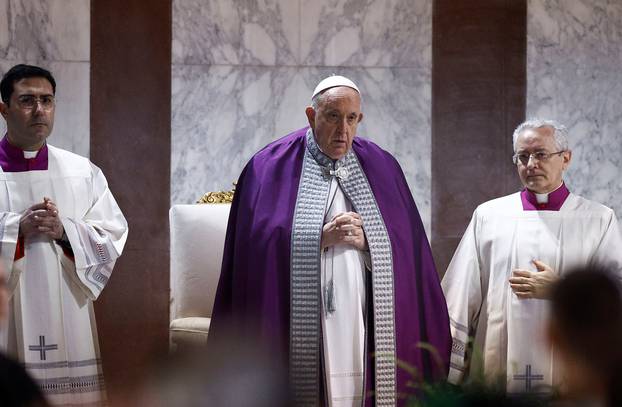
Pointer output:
x,y
556,199
12,158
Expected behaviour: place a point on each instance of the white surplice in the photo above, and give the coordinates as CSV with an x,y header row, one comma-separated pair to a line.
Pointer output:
x,y
51,322
343,314
508,332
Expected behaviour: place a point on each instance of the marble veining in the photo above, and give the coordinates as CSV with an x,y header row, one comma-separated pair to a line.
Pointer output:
x,y
223,115
235,32
243,72
53,30
573,59
54,34
375,33
248,107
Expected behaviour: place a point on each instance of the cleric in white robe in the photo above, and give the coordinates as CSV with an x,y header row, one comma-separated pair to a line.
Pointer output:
x,y
515,247
60,234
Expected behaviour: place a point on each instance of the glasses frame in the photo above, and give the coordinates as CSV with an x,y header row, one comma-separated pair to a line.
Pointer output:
x,y
545,157
47,102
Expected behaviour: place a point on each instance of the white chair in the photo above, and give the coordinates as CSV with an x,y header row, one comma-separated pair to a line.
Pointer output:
x,y
197,235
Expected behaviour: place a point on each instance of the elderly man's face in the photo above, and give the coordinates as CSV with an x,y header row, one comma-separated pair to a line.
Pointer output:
x,y
28,123
335,121
541,176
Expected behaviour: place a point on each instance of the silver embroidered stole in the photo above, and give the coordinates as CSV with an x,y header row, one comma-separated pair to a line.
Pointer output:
x,y
305,295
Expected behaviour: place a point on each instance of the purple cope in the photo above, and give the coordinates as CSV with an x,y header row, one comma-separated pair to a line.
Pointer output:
x,y
253,294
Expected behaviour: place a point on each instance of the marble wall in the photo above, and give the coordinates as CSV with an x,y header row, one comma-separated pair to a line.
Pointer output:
x,y
243,72
574,57
54,34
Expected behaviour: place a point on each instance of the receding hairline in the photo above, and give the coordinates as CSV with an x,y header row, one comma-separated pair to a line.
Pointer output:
x,y
551,130
559,131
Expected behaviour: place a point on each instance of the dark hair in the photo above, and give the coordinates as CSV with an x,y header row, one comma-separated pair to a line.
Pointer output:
x,y
587,309
19,72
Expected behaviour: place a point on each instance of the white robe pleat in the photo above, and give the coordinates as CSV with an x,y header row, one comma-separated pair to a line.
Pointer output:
x,y
343,321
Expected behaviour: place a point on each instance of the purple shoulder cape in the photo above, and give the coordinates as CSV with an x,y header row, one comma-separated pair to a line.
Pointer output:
x,y
253,293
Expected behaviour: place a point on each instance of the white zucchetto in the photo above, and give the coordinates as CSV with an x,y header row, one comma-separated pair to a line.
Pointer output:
x,y
331,82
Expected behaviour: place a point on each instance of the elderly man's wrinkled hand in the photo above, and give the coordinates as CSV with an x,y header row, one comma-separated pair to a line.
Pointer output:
x,y
41,218
533,284
344,228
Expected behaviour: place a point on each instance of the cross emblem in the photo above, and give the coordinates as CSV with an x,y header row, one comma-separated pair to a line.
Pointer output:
x,y
42,347
528,377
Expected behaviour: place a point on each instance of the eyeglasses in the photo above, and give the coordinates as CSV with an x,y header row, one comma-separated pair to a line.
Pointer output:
x,y
539,156
30,101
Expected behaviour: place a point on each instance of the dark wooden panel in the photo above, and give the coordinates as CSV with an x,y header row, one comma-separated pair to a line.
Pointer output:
x,y
478,98
130,141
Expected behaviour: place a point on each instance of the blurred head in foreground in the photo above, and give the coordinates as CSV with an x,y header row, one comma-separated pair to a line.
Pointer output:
x,y
586,328
226,374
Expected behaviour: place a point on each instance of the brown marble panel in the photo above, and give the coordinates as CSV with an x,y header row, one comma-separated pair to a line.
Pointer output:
x,y
478,97
130,141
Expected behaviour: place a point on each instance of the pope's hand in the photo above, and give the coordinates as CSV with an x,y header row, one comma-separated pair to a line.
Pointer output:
x,y
41,218
533,284
344,228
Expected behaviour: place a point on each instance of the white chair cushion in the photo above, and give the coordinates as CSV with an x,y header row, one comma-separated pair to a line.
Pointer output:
x,y
189,331
191,324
